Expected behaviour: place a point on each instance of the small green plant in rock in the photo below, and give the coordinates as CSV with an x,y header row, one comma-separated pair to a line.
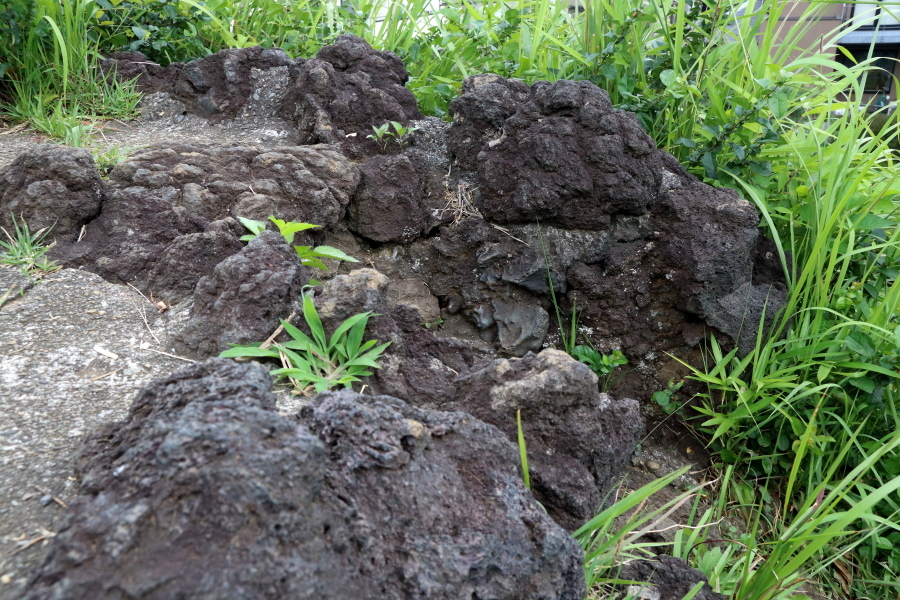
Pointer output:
x,y
309,256
401,133
108,157
24,249
316,361
602,365
667,398
381,134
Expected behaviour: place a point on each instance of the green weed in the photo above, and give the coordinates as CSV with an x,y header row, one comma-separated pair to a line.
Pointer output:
x,y
317,361
24,249
309,256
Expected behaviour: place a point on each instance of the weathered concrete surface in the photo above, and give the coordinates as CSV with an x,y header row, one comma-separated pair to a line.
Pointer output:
x,y
55,388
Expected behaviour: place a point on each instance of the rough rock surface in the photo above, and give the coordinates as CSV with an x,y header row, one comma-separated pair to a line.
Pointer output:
x,y
579,440
51,186
655,259
215,87
566,158
417,367
670,578
243,299
345,91
55,387
204,491
399,199
168,218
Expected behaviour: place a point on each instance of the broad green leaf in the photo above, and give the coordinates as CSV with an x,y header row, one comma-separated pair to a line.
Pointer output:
x,y
871,221
864,383
667,77
289,228
255,227
329,252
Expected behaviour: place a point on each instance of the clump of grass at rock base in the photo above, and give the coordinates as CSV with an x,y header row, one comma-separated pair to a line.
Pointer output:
x,y
52,71
819,397
805,425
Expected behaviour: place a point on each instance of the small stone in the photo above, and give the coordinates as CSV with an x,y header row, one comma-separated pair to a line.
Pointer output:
x,y
46,499
653,465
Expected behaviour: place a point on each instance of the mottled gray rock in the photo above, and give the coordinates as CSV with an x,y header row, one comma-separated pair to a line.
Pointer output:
x,y
579,440
414,292
521,327
417,367
51,186
242,301
670,578
362,290
204,491
739,313
214,87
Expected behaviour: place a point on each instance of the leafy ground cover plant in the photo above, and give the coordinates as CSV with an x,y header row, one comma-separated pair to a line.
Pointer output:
x,y
316,361
309,256
602,365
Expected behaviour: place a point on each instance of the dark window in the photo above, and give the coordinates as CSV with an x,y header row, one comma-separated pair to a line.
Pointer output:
x,y
881,78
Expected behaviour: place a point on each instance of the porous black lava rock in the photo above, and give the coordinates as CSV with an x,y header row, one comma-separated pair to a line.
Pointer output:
x,y
244,298
655,260
206,492
169,215
399,199
51,186
669,578
345,91
565,157
215,87
579,440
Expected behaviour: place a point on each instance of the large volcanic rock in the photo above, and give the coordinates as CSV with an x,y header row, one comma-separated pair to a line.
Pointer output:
x,y
206,492
215,87
564,157
168,218
345,91
244,298
51,186
579,440
654,259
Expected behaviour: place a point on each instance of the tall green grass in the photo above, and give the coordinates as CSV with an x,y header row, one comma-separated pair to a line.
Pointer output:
x,y
54,74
